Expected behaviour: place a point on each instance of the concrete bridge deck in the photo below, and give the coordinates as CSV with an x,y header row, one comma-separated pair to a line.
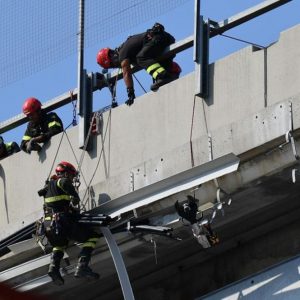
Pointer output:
x,y
253,94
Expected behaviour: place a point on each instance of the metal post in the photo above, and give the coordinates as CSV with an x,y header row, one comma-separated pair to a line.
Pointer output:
x,y
201,52
81,76
119,264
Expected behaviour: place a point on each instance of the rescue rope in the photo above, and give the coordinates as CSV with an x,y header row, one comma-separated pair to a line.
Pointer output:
x,y
86,143
139,83
70,144
57,150
74,123
98,162
191,133
243,41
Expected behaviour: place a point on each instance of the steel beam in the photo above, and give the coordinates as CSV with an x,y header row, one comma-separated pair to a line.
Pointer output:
x,y
246,15
169,186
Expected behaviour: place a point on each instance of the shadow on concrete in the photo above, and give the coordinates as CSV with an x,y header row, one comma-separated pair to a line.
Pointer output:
x,y
2,175
42,154
103,198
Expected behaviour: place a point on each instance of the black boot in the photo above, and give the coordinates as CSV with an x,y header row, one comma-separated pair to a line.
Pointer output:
x,y
161,80
53,271
83,270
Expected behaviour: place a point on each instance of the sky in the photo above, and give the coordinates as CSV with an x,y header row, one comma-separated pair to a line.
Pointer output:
x,y
62,76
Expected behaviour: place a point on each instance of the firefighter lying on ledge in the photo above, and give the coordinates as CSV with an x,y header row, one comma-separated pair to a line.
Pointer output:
x,y
61,223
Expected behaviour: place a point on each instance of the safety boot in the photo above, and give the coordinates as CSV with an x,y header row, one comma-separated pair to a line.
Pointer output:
x,y
83,270
161,80
53,271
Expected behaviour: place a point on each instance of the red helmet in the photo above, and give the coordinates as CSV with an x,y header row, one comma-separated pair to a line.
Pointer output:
x,y
31,105
65,167
175,68
103,58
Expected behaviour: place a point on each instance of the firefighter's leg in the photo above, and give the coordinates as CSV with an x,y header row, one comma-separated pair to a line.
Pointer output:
x,y
172,68
160,76
54,266
83,269
147,59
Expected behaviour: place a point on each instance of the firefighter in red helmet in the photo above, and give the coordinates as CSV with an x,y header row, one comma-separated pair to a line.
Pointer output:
x,y
41,127
61,199
143,50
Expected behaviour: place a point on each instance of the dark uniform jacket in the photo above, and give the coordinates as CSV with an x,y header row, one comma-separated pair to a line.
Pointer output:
x,y
9,149
60,193
131,47
49,125
64,224
148,44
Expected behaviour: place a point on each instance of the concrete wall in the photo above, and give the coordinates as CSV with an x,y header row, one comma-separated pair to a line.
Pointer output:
x,y
152,138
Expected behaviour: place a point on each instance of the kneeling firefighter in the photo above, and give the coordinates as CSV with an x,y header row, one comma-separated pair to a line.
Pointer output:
x,y
61,199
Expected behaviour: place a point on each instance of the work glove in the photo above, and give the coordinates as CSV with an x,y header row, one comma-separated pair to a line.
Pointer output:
x,y
32,146
131,96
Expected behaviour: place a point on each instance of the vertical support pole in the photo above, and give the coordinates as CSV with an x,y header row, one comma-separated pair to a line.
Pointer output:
x,y
81,77
266,76
119,264
201,52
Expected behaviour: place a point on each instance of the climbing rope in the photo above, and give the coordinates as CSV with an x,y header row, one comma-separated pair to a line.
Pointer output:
x,y
139,83
73,123
56,153
98,162
191,133
243,41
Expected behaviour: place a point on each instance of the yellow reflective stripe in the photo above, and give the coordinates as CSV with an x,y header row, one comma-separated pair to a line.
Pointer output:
x,y
58,183
93,240
8,146
48,218
153,67
89,244
26,138
51,124
160,70
61,249
57,198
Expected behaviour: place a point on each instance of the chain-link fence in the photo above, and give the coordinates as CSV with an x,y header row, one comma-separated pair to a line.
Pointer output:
x,y
38,33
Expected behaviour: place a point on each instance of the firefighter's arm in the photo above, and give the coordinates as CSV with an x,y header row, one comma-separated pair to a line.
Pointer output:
x,y
127,75
26,138
54,126
38,139
66,185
